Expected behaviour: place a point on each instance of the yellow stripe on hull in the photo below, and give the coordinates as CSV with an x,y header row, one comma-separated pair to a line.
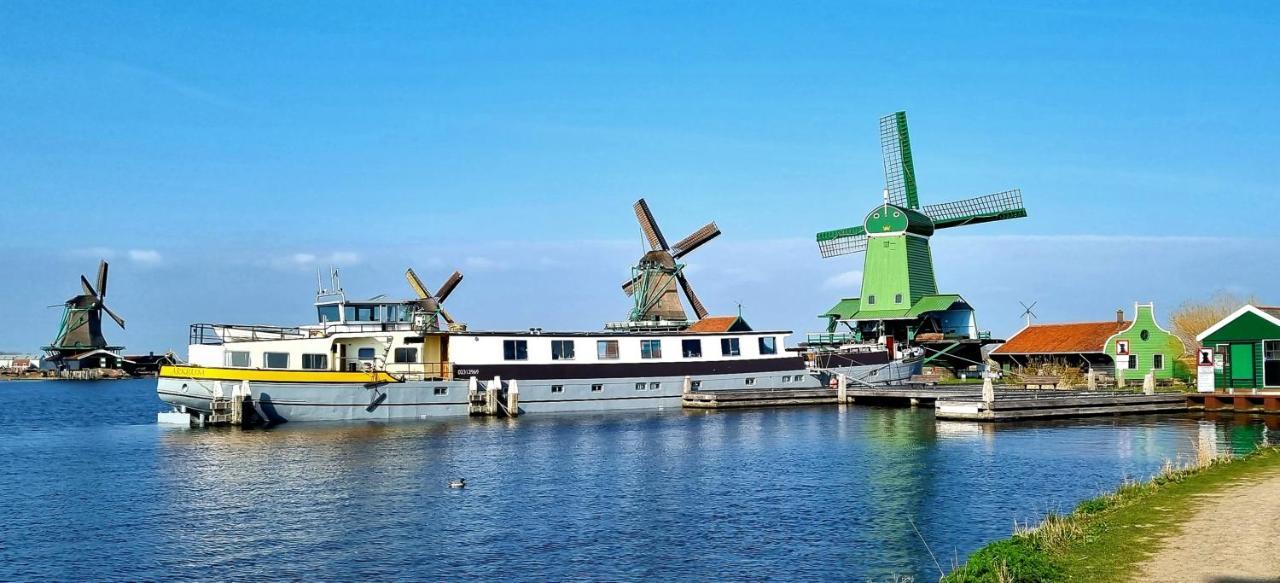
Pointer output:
x,y
286,376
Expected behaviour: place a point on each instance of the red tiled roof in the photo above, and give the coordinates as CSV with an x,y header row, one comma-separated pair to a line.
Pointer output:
x,y
713,324
1073,338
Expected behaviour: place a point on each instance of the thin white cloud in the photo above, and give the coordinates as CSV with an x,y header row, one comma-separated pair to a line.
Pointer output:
x,y
94,253
482,264
145,256
311,260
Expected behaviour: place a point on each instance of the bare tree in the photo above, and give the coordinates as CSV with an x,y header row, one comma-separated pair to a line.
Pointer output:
x,y
1195,316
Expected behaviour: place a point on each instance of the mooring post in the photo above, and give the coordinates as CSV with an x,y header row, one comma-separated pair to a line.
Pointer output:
x,y
513,399
1149,383
688,385
491,396
1093,380
988,390
842,388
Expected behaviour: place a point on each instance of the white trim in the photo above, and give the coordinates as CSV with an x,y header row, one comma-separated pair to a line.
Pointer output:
x,y
1155,320
1236,314
1264,362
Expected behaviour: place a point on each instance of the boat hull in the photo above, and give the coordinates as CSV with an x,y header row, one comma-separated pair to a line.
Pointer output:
x,y
281,401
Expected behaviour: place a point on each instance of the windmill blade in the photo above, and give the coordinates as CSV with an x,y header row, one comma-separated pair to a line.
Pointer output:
x,y
416,284
982,209
445,314
842,241
697,239
630,287
102,278
899,169
88,289
113,315
448,286
694,302
650,226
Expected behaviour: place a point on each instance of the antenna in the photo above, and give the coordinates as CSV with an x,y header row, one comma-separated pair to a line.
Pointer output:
x,y
1027,313
319,283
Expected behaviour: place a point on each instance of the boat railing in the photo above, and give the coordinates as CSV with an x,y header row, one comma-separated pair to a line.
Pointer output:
x,y
413,371
215,334
829,338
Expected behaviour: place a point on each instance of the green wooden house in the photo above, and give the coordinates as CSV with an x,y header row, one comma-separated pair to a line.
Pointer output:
x,y
1144,347
1246,349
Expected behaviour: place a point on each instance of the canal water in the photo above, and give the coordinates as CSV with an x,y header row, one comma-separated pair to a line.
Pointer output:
x,y
91,488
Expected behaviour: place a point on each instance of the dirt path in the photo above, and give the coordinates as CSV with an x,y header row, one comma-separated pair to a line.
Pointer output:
x,y
1233,538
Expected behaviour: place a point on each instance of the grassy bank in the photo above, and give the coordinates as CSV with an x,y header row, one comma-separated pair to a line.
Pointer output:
x,y
1105,538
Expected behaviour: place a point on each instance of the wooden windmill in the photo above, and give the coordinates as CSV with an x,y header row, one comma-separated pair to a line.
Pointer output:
x,y
81,329
654,277
429,309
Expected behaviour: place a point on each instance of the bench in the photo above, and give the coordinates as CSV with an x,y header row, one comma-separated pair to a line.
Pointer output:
x,y
1040,381
925,379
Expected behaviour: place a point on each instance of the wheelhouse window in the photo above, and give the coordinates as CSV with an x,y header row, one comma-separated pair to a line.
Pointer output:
x,y
691,348
406,355
237,358
730,347
561,350
328,313
650,349
768,345
275,360
515,350
361,313
607,349
315,362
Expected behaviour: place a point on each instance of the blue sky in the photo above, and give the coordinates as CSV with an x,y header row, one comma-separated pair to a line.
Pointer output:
x,y
217,153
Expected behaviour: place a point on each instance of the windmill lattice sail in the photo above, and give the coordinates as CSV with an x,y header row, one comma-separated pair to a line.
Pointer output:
x,y
653,280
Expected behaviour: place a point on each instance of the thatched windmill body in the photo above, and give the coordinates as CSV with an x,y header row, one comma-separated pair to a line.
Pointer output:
x,y
654,277
80,332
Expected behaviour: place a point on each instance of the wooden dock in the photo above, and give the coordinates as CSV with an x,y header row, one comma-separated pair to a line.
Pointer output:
x,y
964,402
1019,406
1240,402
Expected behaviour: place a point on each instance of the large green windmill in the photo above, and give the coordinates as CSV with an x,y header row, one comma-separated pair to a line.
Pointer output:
x,y
900,297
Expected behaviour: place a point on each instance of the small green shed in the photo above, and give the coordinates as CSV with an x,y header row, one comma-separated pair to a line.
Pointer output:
x,y
1145,347
1246,348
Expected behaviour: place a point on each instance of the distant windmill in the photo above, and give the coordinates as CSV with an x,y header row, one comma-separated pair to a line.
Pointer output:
x,y
1027,313
81,329
430,308
654,277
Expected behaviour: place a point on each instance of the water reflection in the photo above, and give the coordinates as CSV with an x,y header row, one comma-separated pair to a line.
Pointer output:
x,y
806,493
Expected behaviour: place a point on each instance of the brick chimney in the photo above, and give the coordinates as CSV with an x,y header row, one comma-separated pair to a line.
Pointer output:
x,y
1119,315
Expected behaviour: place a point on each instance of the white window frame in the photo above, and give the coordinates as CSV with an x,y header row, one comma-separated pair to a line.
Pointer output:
x,y
229,359
653,347
735,343
604,354
313,355
266,360
1159,356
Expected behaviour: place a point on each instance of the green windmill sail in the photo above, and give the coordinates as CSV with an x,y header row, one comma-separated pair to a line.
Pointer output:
x,y
898,281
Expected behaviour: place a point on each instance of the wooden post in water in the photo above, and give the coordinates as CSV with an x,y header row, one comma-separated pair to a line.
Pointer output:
x,y
988,389
688,385
513,399
491,396
1093,380
842,389
1149,383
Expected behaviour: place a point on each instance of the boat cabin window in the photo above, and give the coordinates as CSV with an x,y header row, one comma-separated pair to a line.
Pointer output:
x,y
650,349
328,313
237,358
691,348
361,313
730,347
768,345
515,350
406,355
607,349
275,360
315,362
397,313
365,353
561,350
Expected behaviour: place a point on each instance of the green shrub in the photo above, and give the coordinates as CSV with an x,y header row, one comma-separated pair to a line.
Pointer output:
x,y
1014,560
